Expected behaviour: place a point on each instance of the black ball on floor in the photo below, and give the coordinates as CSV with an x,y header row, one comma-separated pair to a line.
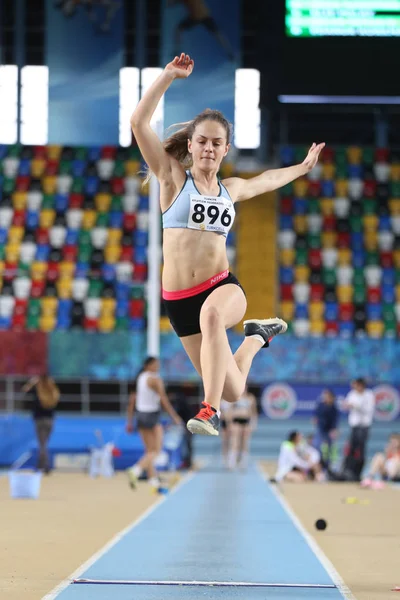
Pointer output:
x,y
321,524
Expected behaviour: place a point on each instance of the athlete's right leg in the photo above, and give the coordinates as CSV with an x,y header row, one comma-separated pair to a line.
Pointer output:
x,y
146,463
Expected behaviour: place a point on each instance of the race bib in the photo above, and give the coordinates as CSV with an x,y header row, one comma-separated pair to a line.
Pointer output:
x,y
211,213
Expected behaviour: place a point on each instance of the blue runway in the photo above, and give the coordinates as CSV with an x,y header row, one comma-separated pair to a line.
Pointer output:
x,y
216,527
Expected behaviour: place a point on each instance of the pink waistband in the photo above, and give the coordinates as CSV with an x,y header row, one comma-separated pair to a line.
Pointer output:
x,y
197,289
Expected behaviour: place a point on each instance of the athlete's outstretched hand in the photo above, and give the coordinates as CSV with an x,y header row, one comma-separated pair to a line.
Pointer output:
x,y
312,157
181,67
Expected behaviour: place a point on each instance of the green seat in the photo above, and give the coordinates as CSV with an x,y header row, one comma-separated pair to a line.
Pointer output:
x,y
116,203
358,276
77,185
300,152
289,327
341,172
137,292
390,328
369,206
121,323
95,288
388,313
24,269
359,294
329,277
372,258
33,307
48,201
314,241
314,206
102,220
84,238
134,153
8,185
301,256
14,150
395,187
397,276
119,168
356,224
287,190
2,252
32,322
341,157
65,167
368,156
84,253
81,153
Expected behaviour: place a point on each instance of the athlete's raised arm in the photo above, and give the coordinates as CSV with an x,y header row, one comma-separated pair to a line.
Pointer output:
x,y
150,146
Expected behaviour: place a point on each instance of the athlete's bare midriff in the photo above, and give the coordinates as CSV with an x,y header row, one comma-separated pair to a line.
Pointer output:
x,y
191,257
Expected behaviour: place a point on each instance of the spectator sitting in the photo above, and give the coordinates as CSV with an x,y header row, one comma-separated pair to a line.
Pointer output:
x,y
384,465
291,464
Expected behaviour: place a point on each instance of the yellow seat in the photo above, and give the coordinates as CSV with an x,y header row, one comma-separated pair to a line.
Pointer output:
x,y
49,305
300,187
145,188
375,329
46,218
398,293
54,152
38,166
49,183
102,202
329,239
302,273
38,270
2,267
12,252
328,171
106,323
114,237
354,155
317,327
132,167
342,187
370,222
66,268
300,224
396,258
89,219
108,306
316,310
394,206
15,234
47,323
371,240
64,287
345,293
19,200
112,254
287,256
287,310
165,325
327,206
395,171
345,256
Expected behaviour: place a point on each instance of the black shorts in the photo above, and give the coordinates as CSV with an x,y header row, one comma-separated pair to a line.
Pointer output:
x,y
184,314
241,421
147,420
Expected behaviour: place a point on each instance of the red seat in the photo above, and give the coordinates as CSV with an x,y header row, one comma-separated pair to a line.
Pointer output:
x,y
52,167
374,295
90,324
286,205
70,253
129,222
53,271
42,235
328,155
370,188
343,240
140,272
20,306
136,308
19,218
18,322
386,259
317,292
286,291
37,288
23,182
10,270
315,258
346,312
329,223
76,200
117,185
126,254
331,328
314,189
40,152
382,155
108,152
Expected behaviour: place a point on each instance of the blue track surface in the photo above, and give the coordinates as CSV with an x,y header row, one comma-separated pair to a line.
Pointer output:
x,y
219,526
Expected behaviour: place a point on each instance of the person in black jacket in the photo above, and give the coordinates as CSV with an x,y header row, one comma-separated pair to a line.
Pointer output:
x,y
326,417
45,399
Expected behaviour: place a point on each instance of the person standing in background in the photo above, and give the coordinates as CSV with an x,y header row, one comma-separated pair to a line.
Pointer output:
x,y
326,417
46,396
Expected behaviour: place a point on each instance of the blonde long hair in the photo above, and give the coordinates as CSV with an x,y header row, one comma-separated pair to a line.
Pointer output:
x,y
176,143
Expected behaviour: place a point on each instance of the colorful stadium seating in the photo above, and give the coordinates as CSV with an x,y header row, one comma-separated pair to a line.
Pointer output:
x,y
339,239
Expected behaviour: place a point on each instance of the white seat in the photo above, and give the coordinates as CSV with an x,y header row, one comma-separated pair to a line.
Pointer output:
x,y
329,257
130,202
345,275
57,235
316,173
341,207
6,306
34,200
231,254
397,311
286,238
99,237
356,188
301,327
385,240
105,168
74,218
92,307
80,288
27,252
10,166
124,271
22,287
373,275
64,183
382,172
132,185
6,215
301,292
142,220
314,223
395,220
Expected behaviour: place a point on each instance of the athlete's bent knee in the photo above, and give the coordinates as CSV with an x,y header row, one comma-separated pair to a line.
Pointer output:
x,y
210,317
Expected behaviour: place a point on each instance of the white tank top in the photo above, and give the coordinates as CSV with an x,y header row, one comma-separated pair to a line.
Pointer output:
x,y
147,400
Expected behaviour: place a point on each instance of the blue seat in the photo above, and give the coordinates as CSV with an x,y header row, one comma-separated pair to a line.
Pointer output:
x,y
388,276
61,203
300,206
94,153
231,238
32,219
3,235
388,293
141,255
285,222
116,218
141,238
122,291
357,240
358,258
24,168
143,203
136,324
108,272
72,237
3,151
64,307
346,328
81,270
122,308
63,322
331,311
355,171
327,188
287,156
374,311
78,167
42,252
384,223
5,322
286,275
91,185
301,311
